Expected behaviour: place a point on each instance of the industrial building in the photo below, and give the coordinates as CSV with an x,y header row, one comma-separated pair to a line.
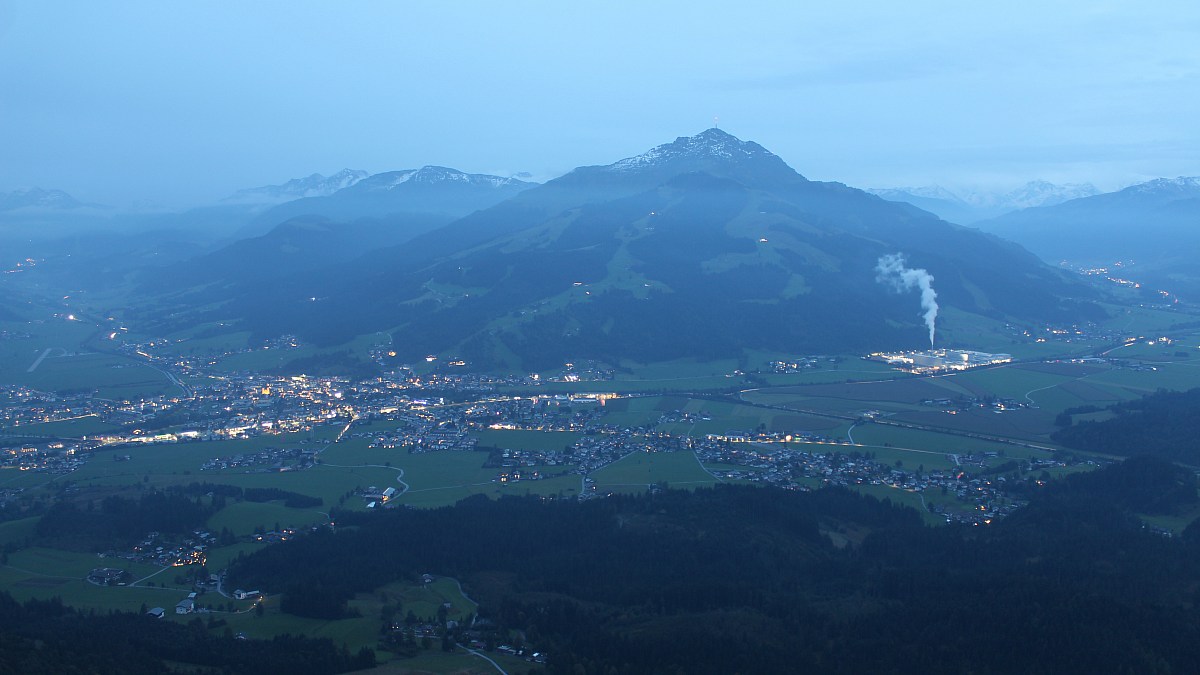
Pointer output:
x,y
939,360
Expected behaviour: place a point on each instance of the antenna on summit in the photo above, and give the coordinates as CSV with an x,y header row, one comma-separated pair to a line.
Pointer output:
x,y
716,119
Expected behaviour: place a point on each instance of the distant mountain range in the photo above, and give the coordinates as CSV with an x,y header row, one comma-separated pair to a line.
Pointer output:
x,y
315,185
37,198
703,247
378,211
967,207
437,193
1155,225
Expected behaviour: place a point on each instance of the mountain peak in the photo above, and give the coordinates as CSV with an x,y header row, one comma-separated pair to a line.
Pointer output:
x,y
1045,193
430,175
708,144
1183,186
314,185
37,198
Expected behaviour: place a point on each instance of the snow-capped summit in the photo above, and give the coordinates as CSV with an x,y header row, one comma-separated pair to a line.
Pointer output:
x,y
1033,193
926,192
315,185
969,206
1044,193
432,175
1181,187
710,143
37,198
713,152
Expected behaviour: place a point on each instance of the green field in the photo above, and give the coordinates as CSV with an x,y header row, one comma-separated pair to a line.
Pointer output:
x,y
17,354
526,440
42,572
180,464
900,496
243,518
423,600
922,441
1048,388
268,358
70,364
72,428
636,471
17,531
829,400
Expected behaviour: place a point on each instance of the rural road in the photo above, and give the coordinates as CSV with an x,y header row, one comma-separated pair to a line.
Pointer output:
x,y
485,658
892,423
398,470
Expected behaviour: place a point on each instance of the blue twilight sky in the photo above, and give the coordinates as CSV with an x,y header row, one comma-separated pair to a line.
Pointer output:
x,y
185,102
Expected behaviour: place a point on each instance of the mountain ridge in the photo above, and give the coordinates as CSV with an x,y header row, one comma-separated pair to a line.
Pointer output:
x,y
703,247
967,207
313,185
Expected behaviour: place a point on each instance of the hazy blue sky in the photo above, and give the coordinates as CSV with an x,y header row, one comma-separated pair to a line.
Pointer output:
x,y
187,101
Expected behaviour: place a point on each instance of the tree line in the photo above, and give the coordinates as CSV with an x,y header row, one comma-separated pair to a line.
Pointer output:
x,y
1166,423
751,579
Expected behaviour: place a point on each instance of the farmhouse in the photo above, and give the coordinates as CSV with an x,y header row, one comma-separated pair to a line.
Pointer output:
x,y
107,576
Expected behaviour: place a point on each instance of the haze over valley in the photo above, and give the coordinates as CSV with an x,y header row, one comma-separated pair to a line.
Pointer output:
x,y
542,339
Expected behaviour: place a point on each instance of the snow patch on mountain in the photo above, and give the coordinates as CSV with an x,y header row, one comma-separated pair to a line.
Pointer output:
x,y
1034,193
37,198
431,175
1182,187
709,143
315,185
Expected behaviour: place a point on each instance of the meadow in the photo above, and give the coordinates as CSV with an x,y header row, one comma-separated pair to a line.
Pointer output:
x,y
70,363
638,470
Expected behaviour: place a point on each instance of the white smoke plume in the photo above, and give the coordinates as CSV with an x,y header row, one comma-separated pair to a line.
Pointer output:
x,y
891,269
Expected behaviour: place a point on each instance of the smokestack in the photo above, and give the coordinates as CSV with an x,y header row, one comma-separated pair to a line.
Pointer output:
x,y
890,269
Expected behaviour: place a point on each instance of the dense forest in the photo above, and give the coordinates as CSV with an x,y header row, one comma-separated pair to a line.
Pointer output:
x,y
47,637
1166,423
747,579
290,499
118,520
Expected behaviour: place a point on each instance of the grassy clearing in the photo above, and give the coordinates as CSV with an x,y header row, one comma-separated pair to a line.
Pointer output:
x,y
328,482
1026,425
55,563
857,370
909,459
565,487
900,496
180,463
433,470
219,558
112,377
882,435
186,344
639,469
17,531
72,428
526,440
1178,376
17,354
85,595
266,358
674,370
1014,382
459,662
242,518
1175,523
363,631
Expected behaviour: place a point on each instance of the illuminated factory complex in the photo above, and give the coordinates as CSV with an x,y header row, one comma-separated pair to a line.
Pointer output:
x,y
939,360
